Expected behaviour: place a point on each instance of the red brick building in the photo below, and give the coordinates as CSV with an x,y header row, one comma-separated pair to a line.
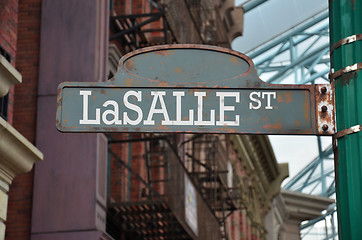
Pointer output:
x,y
18,53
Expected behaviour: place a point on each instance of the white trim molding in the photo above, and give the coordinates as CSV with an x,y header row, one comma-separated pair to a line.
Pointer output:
x,y
17,154
8,76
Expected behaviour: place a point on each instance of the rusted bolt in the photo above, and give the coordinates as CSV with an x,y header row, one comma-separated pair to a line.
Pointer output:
x,y
323,90
325,127
324,108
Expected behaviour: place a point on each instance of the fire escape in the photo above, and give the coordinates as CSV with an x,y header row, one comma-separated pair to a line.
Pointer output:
x,y
148,173
207,163
147,191
140,205
133,31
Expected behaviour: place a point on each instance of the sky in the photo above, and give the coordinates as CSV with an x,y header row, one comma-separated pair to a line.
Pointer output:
x,y
297,151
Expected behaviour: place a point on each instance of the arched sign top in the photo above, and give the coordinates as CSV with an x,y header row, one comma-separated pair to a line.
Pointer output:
x,y
194,89
186,65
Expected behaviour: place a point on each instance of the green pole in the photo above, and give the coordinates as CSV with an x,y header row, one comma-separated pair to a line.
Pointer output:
x,y
346,47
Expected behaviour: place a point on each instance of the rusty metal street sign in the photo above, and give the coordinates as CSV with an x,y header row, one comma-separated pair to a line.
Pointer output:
x,y
193,88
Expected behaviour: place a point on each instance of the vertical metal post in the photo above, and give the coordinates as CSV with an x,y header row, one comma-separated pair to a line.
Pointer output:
x,y
333,226
109,169
130,166
321,156
345,25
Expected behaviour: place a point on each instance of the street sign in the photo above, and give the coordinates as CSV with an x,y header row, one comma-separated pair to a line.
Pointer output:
x,y
196,89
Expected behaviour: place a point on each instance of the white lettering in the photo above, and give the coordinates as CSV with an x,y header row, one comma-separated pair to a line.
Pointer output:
x,y
137,109
114,112
251,106
268,94
199,121
153,110
224,108
178,121
85,119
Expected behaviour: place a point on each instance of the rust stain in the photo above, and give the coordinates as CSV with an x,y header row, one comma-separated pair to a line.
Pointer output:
x,y
163,84
65,120
234,60
307,110
226,129
325,109
346,78
162,53
288,97
71,128
280,98
179,70
150,68
129,64
273,126
297,122
129,82
161,62
103,92
162,127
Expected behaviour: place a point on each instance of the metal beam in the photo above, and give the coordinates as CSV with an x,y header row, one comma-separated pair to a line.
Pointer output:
x,y
250,5
299,29
308,168
301,60
260,59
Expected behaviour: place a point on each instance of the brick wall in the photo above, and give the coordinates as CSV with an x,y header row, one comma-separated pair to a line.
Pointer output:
x,y
8,31
137,6
8,26
130,153
18,225
129,7
119,175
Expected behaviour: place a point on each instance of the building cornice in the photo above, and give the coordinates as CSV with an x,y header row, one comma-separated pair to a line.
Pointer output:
x,y
302,206
8,76
17,154
259,162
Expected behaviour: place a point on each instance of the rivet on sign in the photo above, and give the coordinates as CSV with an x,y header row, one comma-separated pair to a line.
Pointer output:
x,y
325,127
323,90
324,108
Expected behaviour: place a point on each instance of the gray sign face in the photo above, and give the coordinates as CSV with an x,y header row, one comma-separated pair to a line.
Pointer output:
x,y
196,89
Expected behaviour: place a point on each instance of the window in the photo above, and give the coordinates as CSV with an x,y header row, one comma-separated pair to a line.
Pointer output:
x,y
4,101
4,106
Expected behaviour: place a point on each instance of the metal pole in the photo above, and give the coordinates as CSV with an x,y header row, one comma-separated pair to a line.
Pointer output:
x,y
345,25
323,177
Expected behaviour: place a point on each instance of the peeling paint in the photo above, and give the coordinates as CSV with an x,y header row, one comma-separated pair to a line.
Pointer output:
x,y
129,82
129,65
178,70
234,60
273,126
163,53
325,101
